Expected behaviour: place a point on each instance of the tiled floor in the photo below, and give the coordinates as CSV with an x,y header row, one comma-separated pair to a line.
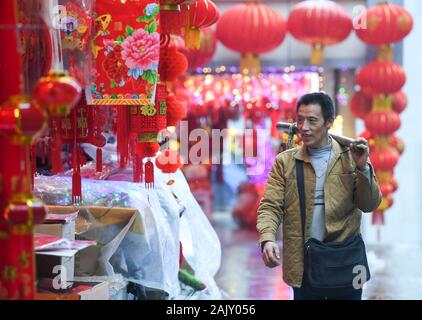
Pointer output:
x,y
396,270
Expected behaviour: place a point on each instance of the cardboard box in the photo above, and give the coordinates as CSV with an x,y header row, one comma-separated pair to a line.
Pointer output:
x,y
58,223
77,291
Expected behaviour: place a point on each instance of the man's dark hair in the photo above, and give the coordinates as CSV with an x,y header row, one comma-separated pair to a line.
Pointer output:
x,y
320,98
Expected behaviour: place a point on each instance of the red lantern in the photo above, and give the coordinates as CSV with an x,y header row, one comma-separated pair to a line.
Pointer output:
x,y
385,23
21,120
384,160
382,123
251,29
176,111
381,77
386,189
168,161
172,63
397,143
361,105
319,23
399,101
57,93
201,14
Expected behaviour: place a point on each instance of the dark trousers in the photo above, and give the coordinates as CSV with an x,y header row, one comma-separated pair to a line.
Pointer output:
x,y
306,292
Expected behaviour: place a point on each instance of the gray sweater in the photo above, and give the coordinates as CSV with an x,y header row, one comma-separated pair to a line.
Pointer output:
x,y
320,159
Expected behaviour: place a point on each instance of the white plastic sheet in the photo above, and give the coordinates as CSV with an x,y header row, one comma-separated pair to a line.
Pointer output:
x,y
169,213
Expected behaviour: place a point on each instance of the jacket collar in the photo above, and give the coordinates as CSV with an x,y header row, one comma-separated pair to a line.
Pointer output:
x,y
303,154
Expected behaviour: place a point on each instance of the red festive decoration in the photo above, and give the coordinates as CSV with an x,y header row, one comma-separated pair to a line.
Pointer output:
x,y
251,29
201,14
171,16
126,46
384,160
205,53
361,104
397,143
145,123
172,63
21,120
382,123
176,111
57,93
168,161
319,23
399,101
381,77
385,23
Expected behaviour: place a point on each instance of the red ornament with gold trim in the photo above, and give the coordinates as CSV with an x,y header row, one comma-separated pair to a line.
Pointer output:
x,y
201,14
57,93
146,122
385,159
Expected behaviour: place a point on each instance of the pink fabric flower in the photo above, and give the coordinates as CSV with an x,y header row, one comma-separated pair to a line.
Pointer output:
x,y
142,50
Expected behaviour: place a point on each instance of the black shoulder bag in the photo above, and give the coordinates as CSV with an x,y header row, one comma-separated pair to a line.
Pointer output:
x,y
332,264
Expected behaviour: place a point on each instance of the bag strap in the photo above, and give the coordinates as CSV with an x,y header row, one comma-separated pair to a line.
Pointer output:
x,y
301,188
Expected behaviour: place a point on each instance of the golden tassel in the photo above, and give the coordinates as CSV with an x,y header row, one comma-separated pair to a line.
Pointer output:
x,y
317,54
382,102
192,37
250,64
385,52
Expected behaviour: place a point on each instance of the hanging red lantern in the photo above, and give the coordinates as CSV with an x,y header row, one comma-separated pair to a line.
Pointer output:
x,y
382,123
385,23
172,63
201,14
397,143
57,93
394,184
386,189
319,23
385,159
168,161
251,29
361,104
399,101
176,111
22,120
381,77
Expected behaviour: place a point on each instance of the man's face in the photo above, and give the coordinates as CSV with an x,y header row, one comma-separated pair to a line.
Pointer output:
x,y
311,125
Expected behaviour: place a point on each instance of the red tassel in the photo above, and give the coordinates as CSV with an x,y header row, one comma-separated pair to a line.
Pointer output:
x,y
76,179
33,163
149,175
56,155
99,160
123,135
43,146
137,169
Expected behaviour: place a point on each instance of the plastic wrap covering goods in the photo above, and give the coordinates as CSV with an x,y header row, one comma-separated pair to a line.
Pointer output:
x,y
151,257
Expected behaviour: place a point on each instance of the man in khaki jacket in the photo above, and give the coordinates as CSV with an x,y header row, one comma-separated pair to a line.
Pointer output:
x,y
339,185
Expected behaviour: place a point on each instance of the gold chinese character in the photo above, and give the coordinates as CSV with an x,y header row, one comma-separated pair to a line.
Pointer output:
x,y
9,273
24,259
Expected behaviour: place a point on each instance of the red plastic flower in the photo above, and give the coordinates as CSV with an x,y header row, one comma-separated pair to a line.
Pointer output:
x,y
114,65
141,50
